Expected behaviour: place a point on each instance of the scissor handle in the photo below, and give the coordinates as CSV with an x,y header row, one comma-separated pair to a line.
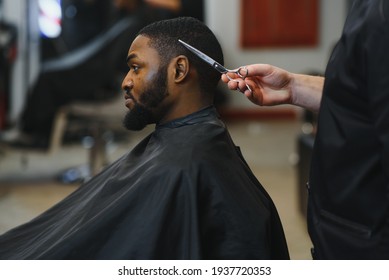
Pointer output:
x,y
240,73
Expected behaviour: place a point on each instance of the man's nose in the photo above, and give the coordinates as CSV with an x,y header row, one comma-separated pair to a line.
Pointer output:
x,y
127,84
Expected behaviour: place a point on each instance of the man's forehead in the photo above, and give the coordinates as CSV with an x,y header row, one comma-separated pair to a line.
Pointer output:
x,y
140,42
139,46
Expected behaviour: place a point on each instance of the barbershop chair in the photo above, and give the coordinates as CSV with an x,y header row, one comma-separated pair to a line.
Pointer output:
x,y
98,121
93,68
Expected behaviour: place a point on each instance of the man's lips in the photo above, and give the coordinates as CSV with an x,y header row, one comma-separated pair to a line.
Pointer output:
x,y
129,101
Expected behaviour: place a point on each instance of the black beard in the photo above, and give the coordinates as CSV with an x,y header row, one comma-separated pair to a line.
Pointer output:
x,y
141,115
138,118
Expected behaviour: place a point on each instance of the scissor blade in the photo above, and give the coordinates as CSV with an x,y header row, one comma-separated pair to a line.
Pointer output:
x,y
205,57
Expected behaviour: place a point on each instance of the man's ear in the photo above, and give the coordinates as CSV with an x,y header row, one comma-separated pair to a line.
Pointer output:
x,y
181,65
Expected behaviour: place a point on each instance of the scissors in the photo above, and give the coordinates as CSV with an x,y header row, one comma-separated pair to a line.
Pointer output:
x,y
242,71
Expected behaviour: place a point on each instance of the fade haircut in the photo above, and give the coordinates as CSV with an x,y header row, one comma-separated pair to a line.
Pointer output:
x,y
164,37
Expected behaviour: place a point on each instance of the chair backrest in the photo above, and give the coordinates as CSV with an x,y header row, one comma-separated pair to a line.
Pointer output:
x,y
96,47
95,66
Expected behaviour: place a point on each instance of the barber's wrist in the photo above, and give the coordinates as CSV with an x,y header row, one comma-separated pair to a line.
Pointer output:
x,y
306,91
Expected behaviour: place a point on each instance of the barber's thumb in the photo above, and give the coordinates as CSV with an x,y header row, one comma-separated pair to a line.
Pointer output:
x,y
224,78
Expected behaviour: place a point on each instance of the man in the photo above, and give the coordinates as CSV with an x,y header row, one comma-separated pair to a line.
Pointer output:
x,y
348,211
184,192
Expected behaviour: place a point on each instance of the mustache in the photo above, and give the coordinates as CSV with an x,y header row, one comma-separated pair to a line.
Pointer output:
x,y
129,95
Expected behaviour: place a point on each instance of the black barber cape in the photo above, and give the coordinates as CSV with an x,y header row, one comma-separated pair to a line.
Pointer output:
x,y
184,192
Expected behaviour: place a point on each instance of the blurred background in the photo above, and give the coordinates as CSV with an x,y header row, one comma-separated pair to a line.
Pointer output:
x,y
61,65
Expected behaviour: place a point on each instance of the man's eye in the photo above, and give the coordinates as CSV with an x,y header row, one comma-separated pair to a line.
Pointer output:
x,y
134,68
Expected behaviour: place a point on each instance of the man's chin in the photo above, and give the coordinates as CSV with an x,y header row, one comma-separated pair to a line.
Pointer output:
x,y
137,119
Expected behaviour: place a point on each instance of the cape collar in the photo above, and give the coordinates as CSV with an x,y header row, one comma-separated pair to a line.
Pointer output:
x,y
206,113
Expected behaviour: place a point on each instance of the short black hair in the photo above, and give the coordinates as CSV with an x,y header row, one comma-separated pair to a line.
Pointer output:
x,y
164,37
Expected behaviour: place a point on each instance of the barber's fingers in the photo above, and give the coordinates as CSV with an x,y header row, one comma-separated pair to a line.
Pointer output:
x,y
224,78
233,84
233,81
252,70
238,84
231,76
259,70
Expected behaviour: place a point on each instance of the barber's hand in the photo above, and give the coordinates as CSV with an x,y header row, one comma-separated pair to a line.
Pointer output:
x,y
269,85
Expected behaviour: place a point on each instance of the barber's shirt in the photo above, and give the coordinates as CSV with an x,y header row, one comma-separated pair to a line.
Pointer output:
x,y
349,182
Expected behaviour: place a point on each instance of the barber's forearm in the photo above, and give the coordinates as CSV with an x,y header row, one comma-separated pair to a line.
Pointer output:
x,y
307,91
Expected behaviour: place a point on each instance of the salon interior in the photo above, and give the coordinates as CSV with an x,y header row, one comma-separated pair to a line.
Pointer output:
x,y
39,35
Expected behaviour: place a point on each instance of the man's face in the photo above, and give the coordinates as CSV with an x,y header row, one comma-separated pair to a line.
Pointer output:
x,y
144,85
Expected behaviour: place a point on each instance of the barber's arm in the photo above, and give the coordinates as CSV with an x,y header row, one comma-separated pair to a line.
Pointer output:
x,y
274,86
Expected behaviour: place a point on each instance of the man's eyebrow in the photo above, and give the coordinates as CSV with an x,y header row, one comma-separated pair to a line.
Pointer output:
x,y
131,56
